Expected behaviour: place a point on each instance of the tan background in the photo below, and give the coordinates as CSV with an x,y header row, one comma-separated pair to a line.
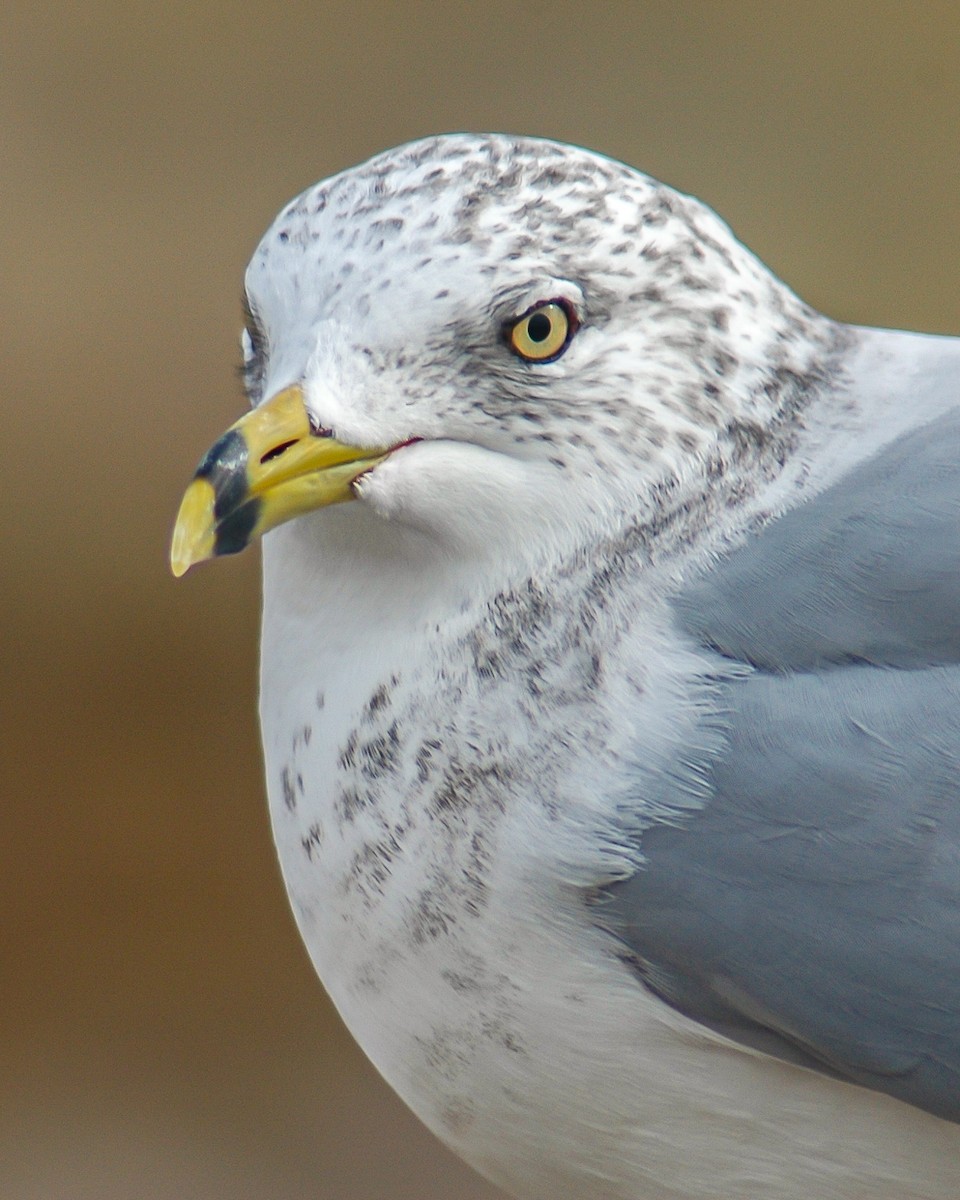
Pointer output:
x,y
162,1034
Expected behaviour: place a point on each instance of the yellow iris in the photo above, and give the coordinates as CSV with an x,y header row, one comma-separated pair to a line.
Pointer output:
x,y
541,333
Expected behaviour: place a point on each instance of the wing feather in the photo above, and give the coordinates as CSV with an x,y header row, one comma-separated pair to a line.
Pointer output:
x,y
812,906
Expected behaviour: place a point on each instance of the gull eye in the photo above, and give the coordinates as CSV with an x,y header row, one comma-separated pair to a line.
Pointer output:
x,y
543,333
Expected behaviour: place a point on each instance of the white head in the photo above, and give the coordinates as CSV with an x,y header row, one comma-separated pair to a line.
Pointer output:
x,y
388,294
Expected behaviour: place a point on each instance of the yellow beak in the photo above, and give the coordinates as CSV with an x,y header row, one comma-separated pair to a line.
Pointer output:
x,y
266,469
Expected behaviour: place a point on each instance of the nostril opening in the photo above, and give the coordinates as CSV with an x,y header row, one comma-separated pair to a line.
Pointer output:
x,y
278,450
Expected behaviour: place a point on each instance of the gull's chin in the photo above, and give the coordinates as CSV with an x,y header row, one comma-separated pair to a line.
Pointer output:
x,y
472,500
438,485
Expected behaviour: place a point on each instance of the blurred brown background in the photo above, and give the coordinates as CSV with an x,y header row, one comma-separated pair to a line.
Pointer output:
x,y
162,1034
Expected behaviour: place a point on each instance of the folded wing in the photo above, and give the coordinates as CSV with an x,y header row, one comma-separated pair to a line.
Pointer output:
x,y
811,907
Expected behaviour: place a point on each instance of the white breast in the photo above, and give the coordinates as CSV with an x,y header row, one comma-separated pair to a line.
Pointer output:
x,y
450,928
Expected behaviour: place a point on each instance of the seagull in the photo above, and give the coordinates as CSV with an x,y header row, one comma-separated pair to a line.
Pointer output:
x,y
610,685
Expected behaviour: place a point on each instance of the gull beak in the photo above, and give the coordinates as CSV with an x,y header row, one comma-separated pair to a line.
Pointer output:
x,y
266,469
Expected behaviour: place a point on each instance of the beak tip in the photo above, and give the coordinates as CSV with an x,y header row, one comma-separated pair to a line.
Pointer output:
x,y
179,565
193,534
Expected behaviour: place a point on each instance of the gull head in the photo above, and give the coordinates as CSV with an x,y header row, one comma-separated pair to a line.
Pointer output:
x,y
495,343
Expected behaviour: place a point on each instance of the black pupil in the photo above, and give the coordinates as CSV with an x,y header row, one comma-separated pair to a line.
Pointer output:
x,y
538,327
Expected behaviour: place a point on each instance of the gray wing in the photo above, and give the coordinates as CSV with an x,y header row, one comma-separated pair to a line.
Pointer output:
x,y
811,907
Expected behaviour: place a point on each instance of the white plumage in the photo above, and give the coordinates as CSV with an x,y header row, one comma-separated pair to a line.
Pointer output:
x,y
477,695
